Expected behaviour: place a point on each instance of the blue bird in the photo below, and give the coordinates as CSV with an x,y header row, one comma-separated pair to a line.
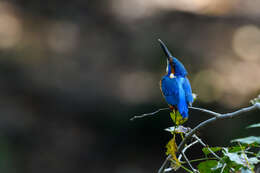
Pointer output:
x,y
175,87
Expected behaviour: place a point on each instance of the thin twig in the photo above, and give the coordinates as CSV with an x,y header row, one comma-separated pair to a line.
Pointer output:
x,y
215,114
223,168
161,170
188,146
245,157
202,159
183,167
148,114
191,144
187,160
204,145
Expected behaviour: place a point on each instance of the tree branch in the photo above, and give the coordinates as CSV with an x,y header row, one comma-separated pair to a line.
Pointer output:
x,y
148,114
215,114
191,107
216,118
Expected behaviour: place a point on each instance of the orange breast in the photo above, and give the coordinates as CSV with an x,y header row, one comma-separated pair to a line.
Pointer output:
x,y
172,70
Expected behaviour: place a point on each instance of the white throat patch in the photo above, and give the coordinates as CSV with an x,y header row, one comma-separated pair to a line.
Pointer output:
x,y
172,75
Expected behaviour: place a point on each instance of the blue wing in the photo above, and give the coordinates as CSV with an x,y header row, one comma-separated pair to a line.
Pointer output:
x,y
177,92
169,88
182,104
188,92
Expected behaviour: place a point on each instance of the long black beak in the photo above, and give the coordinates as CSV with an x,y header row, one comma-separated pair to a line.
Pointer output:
x,y
165,49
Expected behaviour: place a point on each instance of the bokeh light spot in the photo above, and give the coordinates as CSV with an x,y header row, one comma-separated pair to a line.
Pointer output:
x,y
63,37
204,84
137,87
136,9
10,27
246,42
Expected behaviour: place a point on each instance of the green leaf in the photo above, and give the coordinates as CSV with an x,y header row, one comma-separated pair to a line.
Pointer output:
x,y
240,159
171,149
205,167
254,125
236,148
255,100
235,158
206,150
248,140
230,164
246,170
258,154
253,160
218,166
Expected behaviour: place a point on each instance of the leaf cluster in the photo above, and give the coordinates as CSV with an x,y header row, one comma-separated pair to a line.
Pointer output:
x,y
241,157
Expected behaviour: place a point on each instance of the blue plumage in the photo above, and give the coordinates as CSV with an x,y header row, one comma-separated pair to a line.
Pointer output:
x,y
170,89
175,85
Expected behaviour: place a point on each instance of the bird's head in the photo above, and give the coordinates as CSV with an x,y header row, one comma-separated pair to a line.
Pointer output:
x,y
174,66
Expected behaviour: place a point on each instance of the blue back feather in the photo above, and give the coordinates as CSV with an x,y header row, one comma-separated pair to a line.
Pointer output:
x,y
179,68
170,89
177,92
188,92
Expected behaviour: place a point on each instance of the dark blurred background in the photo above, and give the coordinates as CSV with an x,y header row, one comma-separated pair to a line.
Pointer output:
x,y
72,73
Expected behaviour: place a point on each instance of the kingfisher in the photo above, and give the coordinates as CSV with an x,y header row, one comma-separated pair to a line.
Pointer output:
x,y
175,87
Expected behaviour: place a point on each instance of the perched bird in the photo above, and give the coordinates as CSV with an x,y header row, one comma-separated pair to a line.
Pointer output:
x,y
176,88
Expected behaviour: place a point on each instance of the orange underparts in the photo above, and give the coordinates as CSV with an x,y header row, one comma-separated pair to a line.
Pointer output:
x,y
172,70
172,107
